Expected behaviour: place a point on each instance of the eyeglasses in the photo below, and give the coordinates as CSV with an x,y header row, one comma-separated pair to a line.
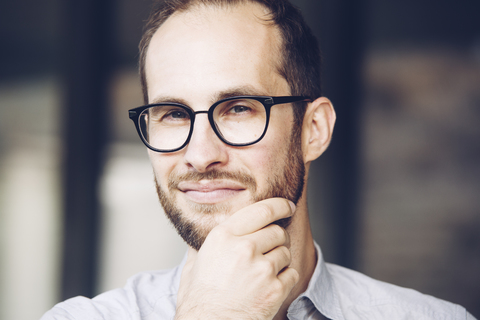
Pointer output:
x,y
237,121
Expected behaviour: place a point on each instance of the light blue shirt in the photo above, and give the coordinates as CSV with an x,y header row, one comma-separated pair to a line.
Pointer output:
x,y
333,293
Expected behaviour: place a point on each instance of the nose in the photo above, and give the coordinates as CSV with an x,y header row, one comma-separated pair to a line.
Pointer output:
x,y
204,150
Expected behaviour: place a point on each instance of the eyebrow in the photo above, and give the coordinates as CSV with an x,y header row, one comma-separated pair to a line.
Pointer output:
x,y
246,90
163,99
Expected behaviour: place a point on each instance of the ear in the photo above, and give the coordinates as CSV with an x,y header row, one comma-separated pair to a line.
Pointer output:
x,y
317,128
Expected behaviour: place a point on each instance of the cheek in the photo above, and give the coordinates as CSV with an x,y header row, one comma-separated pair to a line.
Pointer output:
x,y
267,158
279,134
162,166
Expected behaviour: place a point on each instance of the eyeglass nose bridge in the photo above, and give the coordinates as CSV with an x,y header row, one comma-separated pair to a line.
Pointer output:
x,y
210,120
212,123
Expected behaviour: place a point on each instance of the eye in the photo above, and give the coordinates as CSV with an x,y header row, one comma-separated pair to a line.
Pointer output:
x,y
239,109
175,115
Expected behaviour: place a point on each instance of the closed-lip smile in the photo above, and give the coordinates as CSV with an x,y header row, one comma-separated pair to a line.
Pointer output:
x,y
210,191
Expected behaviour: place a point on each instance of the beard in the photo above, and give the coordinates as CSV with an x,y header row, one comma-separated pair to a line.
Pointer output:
x,y
287,184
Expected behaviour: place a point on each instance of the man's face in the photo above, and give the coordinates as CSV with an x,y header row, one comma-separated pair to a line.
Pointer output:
x,y
198,57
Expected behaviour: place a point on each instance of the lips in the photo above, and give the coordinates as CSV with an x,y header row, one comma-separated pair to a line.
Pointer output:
x,y
210,191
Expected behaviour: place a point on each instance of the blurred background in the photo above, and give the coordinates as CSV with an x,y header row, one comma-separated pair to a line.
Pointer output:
x,y
396,196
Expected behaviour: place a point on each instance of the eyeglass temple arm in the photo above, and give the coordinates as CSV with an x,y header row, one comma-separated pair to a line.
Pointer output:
x,y
289,99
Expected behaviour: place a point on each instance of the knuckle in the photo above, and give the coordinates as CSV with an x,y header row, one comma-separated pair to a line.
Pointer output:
x,y
267,267
296,276
246,247
244,251
278,287
293,277
264,211
278,232
286,253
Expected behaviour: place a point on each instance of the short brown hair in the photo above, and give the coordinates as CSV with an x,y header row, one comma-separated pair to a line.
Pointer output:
x,y
300,65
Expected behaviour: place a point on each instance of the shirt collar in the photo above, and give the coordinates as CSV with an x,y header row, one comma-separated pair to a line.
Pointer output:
x,y
321,292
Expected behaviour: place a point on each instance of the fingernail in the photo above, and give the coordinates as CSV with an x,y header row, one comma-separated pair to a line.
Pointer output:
x,y
292,206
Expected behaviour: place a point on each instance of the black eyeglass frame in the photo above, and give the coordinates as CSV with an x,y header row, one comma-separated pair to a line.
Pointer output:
x,y
267,102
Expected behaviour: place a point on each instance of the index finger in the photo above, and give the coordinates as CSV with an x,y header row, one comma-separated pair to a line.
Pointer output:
x,y
259,215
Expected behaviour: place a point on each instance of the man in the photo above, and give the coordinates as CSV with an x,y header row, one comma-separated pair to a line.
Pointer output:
x,y
234,117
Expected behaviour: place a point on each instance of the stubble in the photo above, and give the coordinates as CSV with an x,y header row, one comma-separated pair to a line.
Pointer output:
x,y
286,184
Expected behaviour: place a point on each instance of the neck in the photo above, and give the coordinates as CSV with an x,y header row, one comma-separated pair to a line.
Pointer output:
x,y
304,257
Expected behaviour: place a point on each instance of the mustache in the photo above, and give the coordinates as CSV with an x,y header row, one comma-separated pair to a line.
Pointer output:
x,y
245,179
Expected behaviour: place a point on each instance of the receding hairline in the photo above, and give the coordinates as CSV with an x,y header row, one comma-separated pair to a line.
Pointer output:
x,y
224,4
276,59
200,6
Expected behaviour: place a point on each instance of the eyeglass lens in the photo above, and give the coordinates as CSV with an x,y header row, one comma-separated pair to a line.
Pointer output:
x,y
238,121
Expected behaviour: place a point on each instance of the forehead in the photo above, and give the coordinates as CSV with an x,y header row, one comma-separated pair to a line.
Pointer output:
x,y
205,50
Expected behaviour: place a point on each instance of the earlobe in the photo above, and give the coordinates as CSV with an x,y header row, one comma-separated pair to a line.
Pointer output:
x,y
317,128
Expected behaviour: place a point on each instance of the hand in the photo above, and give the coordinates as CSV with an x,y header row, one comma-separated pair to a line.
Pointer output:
x,y
241,271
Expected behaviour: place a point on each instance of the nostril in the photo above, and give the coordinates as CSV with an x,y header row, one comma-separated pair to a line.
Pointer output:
x,y
205,149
